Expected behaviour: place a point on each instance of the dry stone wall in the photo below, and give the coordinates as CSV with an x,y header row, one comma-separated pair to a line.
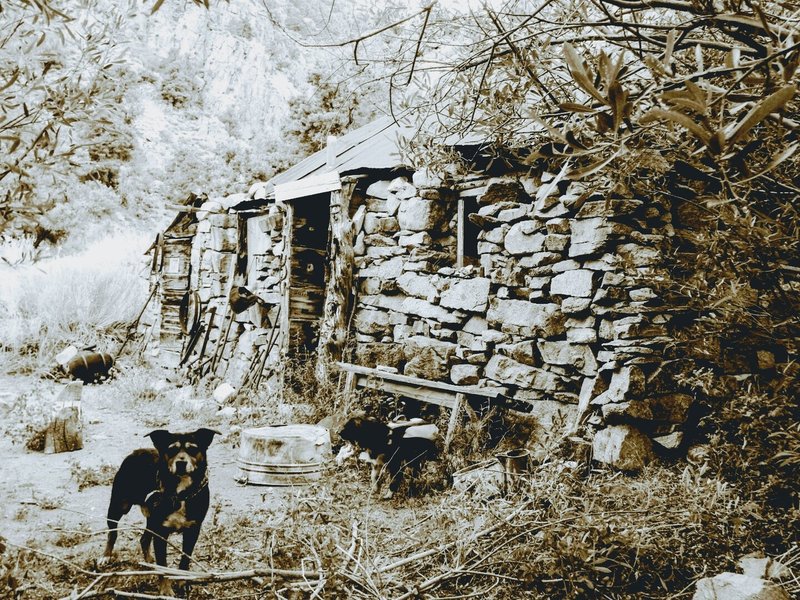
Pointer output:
x,y
560,304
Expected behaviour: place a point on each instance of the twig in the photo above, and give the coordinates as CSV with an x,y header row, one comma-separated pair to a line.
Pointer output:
x,y
121,594
445,547
201,577
86,590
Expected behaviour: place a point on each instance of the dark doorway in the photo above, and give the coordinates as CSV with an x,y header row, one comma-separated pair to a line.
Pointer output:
x,y
309,243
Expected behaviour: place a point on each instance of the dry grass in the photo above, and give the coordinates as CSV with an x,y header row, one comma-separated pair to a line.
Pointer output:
x,y
84,300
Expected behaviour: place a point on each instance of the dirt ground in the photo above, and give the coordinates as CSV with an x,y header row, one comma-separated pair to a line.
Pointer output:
x,y
56,503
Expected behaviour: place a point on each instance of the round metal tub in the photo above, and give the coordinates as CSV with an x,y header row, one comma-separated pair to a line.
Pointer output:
x,y
283,455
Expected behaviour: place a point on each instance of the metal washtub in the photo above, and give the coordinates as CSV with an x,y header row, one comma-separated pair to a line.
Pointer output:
x,y
283,455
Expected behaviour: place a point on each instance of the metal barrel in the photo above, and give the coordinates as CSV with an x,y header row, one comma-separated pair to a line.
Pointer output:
x,y
90,366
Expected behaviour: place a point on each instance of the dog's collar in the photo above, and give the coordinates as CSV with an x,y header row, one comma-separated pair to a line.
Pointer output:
x,y
200,487
183,496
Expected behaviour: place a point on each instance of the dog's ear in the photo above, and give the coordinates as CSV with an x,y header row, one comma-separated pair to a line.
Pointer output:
x,y
205,436
160,438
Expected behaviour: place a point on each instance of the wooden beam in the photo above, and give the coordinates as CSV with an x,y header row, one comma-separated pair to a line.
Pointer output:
x,y
308,186
286,280
428,384
417,392
460,234
339,284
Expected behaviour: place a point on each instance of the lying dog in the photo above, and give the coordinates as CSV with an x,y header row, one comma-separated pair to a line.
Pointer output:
x,y
170,484
388,449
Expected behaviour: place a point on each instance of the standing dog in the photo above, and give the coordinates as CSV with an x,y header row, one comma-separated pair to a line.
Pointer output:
x,y
388,449
170,484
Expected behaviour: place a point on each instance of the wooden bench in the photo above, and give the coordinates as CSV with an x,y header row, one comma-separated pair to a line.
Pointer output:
x,y
443,394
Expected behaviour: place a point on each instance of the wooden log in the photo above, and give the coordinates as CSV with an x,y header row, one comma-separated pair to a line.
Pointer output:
x,y
333,326
65,431
286,275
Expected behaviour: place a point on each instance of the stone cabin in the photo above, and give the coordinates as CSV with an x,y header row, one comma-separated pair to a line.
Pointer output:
x,y
520,288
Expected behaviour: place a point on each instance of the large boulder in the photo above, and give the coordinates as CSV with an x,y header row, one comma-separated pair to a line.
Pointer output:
x,y
506,370
377,224
465,374
373,354
387,269
524,237
545,319
419,214
372,322
589,236
577,283
417,286
733,586
467,294
626,382
562,353
429,362
622,447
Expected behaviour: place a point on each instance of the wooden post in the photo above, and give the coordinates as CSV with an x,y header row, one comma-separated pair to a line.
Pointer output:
x,y
460,224
451,425
339,285
286,280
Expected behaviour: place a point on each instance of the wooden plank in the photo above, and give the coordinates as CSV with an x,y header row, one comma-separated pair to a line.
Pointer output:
x,y
460,234
451,425
349,387
339,284
427,383
241,246
424,394
308,186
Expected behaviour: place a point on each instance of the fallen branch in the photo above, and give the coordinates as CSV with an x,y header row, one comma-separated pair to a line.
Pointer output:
x,y
122,594
206,577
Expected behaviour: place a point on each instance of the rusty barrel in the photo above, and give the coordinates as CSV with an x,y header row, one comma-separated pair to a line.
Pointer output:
x,y
90,366
283,455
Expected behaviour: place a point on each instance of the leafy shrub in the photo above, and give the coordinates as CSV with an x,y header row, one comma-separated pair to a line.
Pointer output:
x,y
180,84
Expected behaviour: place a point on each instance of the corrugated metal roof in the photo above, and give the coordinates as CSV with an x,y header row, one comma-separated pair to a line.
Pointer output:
x,y
374,146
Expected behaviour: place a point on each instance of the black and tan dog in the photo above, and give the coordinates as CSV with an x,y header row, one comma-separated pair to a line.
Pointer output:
x,y
390,450
170,484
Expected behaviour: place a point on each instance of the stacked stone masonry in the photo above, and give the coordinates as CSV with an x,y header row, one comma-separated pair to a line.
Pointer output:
x,y
214,271
557,303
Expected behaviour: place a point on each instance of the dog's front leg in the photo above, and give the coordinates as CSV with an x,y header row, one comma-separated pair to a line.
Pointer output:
x,y
189,540
144,542
373,478
160,547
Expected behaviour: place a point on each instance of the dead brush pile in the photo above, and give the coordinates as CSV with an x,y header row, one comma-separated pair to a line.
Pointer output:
x,y
565,533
